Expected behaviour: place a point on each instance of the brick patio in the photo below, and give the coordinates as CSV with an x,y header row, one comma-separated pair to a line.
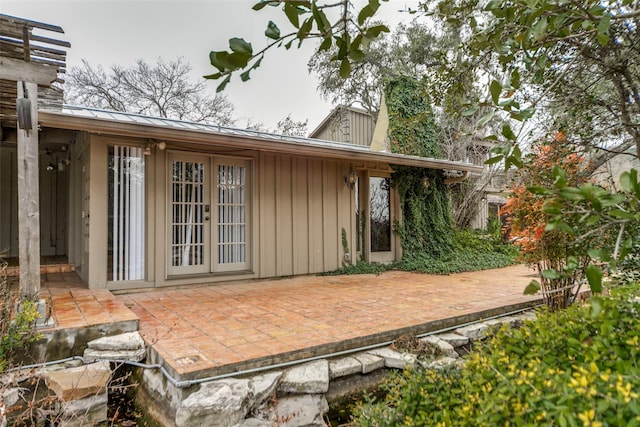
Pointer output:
x,y
215,329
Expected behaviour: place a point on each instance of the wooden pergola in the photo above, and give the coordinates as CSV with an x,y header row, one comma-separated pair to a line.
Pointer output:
x,y
29,65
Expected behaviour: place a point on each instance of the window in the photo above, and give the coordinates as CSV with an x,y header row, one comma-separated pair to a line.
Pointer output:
x,y
126,210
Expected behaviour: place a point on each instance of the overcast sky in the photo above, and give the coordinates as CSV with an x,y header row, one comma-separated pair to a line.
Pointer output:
x,y
120,31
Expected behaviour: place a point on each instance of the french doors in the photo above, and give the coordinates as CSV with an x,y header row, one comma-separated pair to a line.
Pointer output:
x,y
208,214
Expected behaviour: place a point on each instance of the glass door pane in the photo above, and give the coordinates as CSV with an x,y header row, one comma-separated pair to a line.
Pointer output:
x,y
189,217
380,214
232,231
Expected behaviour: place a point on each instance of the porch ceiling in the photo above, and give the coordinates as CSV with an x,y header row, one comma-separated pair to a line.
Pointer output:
x,y
208,136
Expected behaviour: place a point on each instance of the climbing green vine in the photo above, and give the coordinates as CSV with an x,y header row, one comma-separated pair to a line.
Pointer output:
x,y
429,239
426,227
412,125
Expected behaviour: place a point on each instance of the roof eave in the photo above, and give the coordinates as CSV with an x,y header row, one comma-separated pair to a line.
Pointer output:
x,y
207,138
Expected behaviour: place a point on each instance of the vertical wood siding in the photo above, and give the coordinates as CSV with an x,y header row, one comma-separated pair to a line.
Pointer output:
x,y
304,206
362,126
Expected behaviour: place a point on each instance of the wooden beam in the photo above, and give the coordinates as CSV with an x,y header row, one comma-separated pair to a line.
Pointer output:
x,y
28,198
13,69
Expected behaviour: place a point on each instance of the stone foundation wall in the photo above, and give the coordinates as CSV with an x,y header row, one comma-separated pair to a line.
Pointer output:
x,y
298,396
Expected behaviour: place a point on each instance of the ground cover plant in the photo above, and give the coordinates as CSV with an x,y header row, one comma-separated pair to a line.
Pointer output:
x,y
573,367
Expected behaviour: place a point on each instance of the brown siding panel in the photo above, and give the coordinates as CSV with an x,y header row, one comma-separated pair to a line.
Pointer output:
x,y
268,234
316,241
284,219
300,217
329,213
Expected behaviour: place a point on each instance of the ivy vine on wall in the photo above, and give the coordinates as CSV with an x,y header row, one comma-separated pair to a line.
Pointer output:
x,y
412,125
427,225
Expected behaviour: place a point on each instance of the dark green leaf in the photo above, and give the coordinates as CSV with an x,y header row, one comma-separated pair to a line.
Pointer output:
x,y
239,45
219,60
571,193
303,32
540,191
629,180
357,55
594,277
224,84
345,68
495,88
365,13
592,220
292,13
272,31
375,31
603,29
326,44
620,214
470,111
559,225
516,156
532,288
515,79
508,133
260,5
322,22
485,119
494,160
550,274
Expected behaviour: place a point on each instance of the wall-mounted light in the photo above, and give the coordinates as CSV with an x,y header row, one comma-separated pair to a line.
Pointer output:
x,y
151,145
351,179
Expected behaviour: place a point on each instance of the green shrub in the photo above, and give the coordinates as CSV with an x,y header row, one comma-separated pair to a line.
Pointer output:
x,y
16,326
574,367
471,251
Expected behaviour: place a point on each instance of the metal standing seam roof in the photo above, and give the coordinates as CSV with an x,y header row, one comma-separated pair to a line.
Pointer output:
x,y
130,124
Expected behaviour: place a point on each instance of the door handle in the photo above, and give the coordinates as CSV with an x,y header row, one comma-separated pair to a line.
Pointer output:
x,y
206,218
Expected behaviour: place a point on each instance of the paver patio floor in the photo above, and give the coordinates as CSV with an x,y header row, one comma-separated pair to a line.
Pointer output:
x,y
211,330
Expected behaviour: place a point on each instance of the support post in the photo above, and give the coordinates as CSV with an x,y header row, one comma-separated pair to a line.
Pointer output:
x,y
28,193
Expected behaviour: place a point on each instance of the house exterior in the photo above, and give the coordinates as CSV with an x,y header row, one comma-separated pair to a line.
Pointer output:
x,y
346,124
138,202
358,126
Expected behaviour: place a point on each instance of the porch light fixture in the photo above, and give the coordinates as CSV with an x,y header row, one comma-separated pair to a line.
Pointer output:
x,y
151,145
351,179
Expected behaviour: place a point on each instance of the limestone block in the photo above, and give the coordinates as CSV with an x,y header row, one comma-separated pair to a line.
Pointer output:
x,y
506,320
456,340
445,348
124,342
128,346
76,383
257,422
223,403
394,359
132,355
310,378
477,331
527,315
300,411
343,367
369,362
11,396
88,411
264,386
442,363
